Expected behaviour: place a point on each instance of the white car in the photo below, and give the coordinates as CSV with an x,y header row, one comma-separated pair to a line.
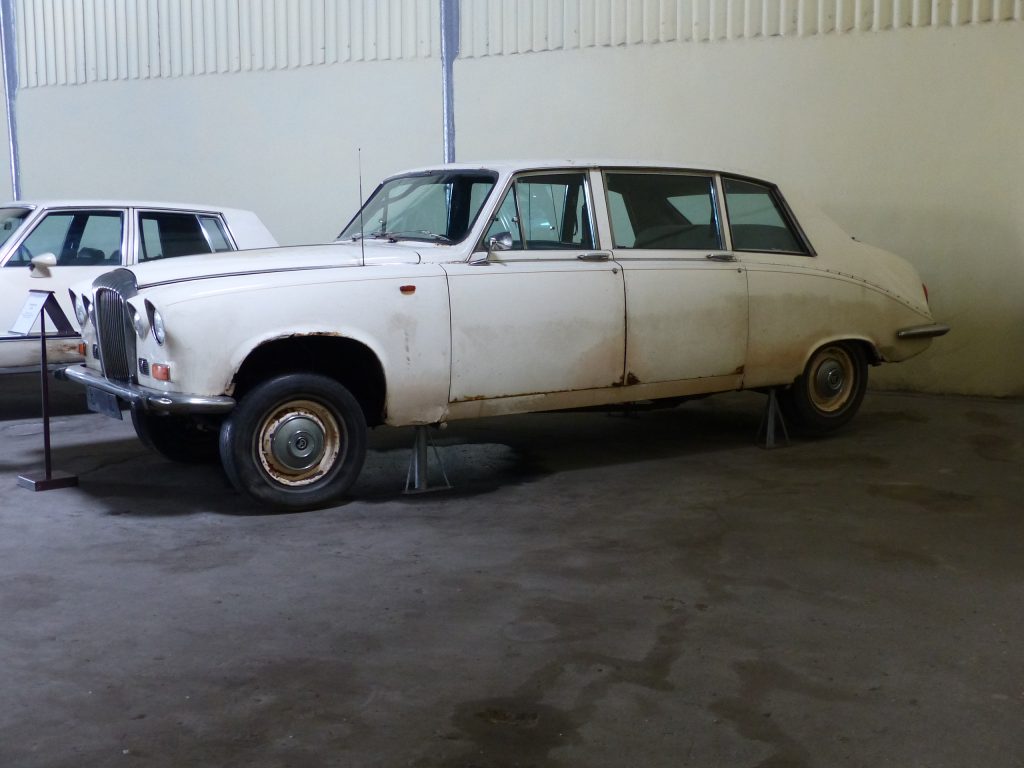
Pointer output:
x,y
475,290
51,245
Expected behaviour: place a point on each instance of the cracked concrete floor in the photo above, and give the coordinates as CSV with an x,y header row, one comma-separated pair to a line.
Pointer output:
x,y
597,591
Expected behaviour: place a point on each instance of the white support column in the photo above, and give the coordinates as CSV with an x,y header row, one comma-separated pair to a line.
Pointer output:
x,y
450,13
9,65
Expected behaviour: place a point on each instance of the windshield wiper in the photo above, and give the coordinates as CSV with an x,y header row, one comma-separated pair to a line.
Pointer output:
x,y
415,234
394,237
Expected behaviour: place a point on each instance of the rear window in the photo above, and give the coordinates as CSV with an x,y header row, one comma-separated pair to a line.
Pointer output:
x,y
167,235
758,221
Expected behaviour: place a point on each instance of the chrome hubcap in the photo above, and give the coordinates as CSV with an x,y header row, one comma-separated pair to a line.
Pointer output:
x,y
830,379
298,442
831,383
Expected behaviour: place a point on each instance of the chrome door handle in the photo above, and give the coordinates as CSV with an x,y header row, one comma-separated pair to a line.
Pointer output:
x,y
593,257
721,257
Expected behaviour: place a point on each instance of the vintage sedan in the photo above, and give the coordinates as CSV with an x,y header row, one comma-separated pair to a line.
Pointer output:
x,y
474,290
51,245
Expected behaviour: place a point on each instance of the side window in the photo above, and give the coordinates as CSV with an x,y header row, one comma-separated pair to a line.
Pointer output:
x,y
757,221
76,238
553,211
546,212
663,211
215,233
167,235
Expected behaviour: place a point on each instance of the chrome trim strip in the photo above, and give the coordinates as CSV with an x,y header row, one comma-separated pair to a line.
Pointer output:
x,y
146,398
923,331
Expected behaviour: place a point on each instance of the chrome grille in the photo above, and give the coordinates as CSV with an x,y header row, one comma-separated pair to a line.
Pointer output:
x,y
113,326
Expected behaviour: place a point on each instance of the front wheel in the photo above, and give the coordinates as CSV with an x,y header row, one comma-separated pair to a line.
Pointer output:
x,y
830,390
296,441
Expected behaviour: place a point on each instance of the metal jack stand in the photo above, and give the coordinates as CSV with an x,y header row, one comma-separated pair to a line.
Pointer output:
x,y
772,418
416,479
39,304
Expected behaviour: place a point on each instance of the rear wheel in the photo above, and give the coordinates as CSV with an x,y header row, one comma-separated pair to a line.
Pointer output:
x,y
830,390
296,441
187,439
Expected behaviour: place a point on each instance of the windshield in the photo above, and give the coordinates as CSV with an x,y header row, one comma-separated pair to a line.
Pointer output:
x,y
10,220
436,206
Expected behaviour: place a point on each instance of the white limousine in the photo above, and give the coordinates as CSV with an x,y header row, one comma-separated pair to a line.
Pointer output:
x,y
474,290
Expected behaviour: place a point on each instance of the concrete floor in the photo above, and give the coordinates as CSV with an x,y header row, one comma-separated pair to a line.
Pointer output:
x,y
597,591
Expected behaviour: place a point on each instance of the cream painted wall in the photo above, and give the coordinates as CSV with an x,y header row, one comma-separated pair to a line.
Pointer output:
x,y
912,140
281,143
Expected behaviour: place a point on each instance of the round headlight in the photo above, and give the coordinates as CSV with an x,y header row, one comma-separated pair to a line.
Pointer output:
x,y
159,332
80,311
138,323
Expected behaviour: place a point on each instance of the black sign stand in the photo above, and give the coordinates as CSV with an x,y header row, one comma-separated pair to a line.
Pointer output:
x,y
42,303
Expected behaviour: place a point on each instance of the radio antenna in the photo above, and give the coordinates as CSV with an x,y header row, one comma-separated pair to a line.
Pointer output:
x,y
362,233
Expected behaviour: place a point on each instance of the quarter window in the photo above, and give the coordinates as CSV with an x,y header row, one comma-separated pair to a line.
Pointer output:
x,y
663,211
757,220
213,228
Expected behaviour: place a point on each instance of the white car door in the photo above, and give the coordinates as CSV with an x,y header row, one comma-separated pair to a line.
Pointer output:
x,y
85,243
686,297
548,313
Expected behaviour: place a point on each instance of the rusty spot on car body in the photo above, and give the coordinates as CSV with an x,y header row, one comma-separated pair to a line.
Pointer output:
x,y
631,378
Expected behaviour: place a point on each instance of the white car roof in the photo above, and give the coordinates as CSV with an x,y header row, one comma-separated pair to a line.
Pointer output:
x,y
505,167
100,203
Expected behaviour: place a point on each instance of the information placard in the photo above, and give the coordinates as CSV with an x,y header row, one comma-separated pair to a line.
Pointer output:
x,y
29,312
42,301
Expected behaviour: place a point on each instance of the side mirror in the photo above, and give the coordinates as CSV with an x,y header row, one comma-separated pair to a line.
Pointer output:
x,y
500,242
40,265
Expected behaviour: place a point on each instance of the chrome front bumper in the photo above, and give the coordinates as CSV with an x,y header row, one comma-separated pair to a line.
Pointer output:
x,y
145,398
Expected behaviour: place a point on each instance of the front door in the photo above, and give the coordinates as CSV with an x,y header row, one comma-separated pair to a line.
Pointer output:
x,y
85,243
547,315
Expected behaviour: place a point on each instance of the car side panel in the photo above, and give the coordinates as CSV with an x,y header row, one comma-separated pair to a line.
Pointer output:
x,y
796,307
408,330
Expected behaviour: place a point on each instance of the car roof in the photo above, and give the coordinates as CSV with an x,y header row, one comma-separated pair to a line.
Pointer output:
x,y
505,167
102,203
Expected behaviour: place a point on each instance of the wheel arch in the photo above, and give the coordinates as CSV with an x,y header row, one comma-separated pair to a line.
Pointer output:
x,y
350,362
871,353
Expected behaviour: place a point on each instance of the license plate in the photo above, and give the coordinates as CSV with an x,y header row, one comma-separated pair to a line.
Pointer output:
x,y
102,402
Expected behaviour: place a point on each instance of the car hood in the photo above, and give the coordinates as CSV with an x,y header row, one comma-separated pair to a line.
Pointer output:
x,y
268,260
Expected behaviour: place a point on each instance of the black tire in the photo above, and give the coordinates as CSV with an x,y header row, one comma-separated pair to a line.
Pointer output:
x,y
297,441
829,392
186,439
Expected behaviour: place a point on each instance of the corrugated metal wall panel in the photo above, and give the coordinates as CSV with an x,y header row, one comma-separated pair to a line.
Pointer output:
x,y
503,27
67,42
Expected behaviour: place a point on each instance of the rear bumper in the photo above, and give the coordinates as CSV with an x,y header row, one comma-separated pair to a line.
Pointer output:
x,y
145,398
923,331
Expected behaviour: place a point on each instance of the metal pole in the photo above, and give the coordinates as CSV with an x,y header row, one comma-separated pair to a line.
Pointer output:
x,y
450,15
9,67
46,394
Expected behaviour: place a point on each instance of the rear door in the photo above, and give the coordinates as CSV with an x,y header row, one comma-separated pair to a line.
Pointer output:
x,y
686,296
